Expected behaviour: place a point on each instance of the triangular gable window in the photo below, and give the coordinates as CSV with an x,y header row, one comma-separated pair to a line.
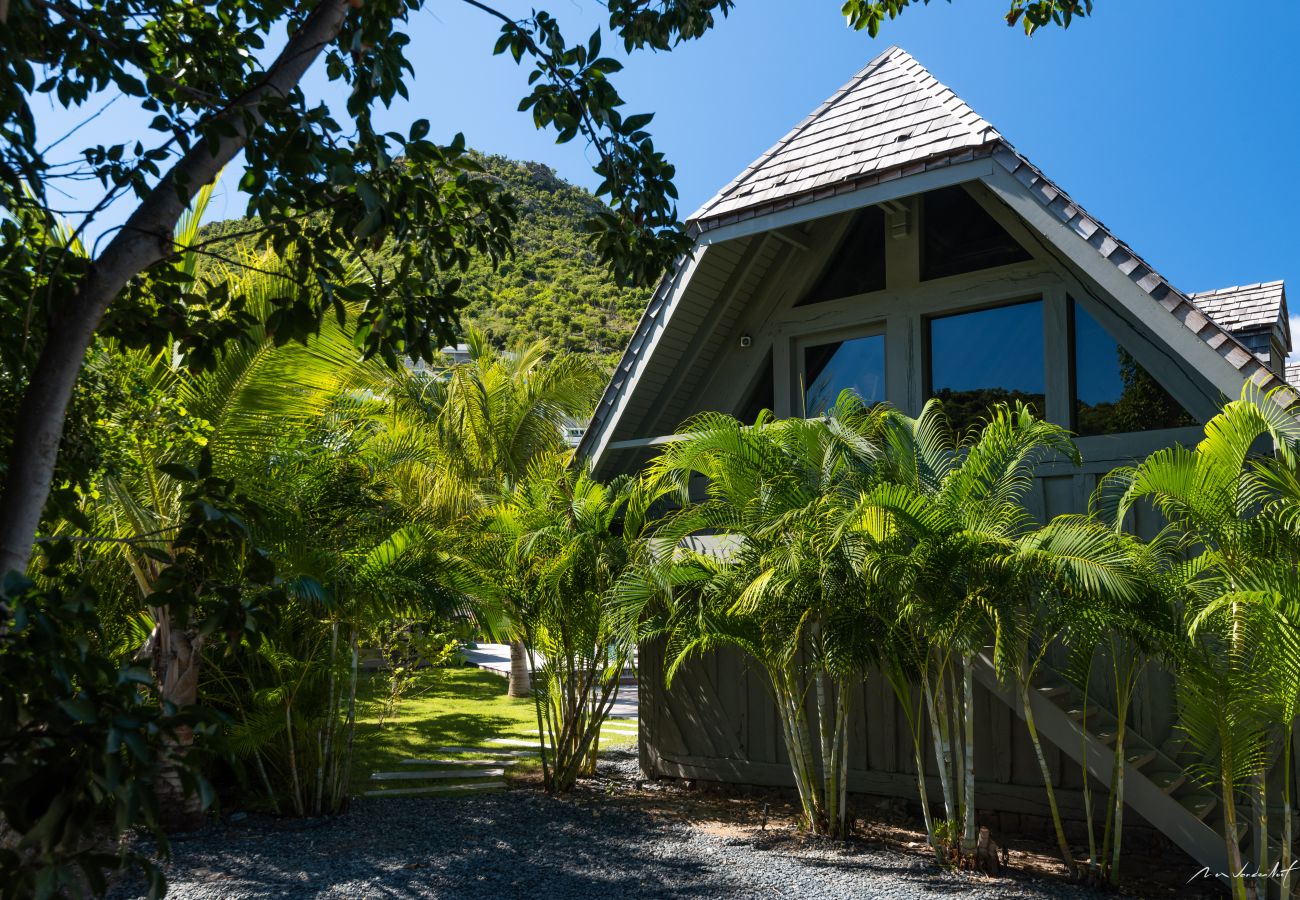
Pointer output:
x,y
858,264
959,236
1113,393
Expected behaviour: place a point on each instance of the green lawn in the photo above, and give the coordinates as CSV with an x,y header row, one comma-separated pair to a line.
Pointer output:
x,y
466,707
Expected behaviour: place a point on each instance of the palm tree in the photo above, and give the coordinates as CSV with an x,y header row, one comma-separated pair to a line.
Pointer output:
x,y
975,567
1127,620
475,427
783,589
242,404
551,550
350,557
1231,507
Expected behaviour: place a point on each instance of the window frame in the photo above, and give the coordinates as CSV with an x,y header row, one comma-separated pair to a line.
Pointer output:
x,y
802,342
1072,303
927,346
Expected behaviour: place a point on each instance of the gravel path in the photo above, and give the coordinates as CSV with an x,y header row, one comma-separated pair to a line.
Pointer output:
x,y
522,844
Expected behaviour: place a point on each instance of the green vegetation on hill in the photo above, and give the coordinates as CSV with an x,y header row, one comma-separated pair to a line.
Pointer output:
x,y
555,286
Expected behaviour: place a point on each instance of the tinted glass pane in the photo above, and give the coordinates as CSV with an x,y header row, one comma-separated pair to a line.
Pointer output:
x,y
1113,393
857,365
761,397
959,236
858,264
986,357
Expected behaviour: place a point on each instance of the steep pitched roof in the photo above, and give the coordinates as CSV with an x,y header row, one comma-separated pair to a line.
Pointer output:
x,y
892,114
852,141
892,121
1247,307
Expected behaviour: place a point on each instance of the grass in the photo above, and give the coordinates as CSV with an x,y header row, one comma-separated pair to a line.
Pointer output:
x,y
465,707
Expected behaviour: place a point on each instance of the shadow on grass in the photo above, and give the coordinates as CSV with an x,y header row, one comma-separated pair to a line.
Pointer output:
x,y
469,684
465,707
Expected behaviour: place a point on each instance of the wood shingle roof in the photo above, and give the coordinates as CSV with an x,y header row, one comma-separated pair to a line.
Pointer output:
x,y
894,119
1247,307
891,115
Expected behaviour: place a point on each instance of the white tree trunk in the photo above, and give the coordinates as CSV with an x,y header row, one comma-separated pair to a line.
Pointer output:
x,y
520,682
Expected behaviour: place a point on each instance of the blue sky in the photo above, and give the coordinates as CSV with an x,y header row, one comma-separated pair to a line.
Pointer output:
x,y
1177,127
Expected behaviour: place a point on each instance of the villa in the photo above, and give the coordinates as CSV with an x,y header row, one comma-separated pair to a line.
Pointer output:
x,y
894,242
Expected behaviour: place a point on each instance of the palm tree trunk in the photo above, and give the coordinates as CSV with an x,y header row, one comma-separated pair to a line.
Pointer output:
x,y
1118,792
293,760
826,728
325,771
1108,834
1062,845
343,767
1237,883
843,707
1287,836
266,782
903,693
968,700
798,745
537,708
1259,808
936,707
520,684
955,709
178,656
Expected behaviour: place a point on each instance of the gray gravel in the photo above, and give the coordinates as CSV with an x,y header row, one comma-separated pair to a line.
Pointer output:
x,y
523,844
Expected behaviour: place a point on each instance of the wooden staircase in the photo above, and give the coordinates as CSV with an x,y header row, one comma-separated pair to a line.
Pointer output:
x,y
1155,786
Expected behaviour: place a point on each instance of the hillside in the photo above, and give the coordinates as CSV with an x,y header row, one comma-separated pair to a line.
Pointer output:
x,y
554,287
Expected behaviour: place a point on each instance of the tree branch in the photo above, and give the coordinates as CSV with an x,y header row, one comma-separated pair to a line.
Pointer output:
x,y
144,240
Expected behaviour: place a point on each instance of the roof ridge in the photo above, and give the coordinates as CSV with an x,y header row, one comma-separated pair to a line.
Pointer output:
x,y
802,126
1256,285
948,98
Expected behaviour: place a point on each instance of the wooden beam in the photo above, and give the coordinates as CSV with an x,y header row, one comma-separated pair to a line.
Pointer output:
x,y
944,176
653,328
704,331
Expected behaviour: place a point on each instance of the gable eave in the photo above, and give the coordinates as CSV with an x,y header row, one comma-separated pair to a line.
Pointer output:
x,y
1209,348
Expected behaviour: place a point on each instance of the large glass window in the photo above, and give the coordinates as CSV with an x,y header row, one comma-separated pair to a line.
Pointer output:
x,y
985,357
858,264
1113,393
829,369
959,236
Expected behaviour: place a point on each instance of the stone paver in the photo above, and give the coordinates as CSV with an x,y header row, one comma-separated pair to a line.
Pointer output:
x,y
444,773
438,789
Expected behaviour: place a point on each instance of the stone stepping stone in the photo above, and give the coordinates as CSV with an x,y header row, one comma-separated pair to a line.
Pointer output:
x,y
438,789
512,742
453,773
494,751
495,761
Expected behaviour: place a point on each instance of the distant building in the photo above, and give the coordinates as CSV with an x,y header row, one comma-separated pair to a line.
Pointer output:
x,y
451,356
